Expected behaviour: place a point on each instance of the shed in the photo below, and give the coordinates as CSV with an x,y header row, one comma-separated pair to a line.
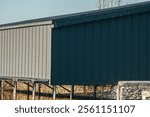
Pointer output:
x,y
96,47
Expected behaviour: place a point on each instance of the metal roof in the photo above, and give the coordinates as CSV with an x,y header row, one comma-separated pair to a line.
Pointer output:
x,y
88,16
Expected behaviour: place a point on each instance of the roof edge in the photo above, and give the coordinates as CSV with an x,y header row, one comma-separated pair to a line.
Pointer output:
x,y
104,14
25,25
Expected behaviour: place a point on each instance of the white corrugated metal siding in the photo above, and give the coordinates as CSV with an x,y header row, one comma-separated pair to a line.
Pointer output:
x,y
25,52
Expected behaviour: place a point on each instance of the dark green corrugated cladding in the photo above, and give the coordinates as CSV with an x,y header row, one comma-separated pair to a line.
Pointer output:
x,y
102,47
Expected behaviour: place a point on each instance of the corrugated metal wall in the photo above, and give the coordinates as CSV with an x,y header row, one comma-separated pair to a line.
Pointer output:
x,y
25,52
102,52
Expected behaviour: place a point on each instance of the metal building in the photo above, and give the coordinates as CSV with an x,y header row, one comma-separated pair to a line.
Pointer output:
x,y
96,47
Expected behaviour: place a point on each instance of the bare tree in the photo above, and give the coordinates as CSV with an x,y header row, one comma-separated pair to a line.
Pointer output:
x,y
108,3
102,4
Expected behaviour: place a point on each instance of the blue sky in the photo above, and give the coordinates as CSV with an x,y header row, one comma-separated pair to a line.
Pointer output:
x,y
18,10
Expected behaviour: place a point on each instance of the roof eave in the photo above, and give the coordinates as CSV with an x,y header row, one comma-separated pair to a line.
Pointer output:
x,y
104,14
25,25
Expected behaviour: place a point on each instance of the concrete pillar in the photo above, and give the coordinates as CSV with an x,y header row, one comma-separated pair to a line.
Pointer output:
x,y
54,92
71,92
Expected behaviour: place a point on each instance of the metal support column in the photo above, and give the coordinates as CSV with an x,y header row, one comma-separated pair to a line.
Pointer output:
x,y
14,89
2,89
0,84
71,92
33,91
39,91
94,93
54,92
102,90
28,91
118,92
84,88
120,96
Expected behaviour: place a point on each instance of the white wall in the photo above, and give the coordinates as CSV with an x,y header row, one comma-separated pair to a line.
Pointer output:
x,y
26,51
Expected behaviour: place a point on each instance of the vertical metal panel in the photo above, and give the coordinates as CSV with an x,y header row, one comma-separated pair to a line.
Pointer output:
x,y
88,50
102,52
14,52
44,52
25,52
80,52
8,53
5,49
11,53
112,33
30,52
142,51
20,51
48,51
17,52
104,49
40,51
96,54
148,43
2,55
33,52
37,52
1,51
63,52
135,47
